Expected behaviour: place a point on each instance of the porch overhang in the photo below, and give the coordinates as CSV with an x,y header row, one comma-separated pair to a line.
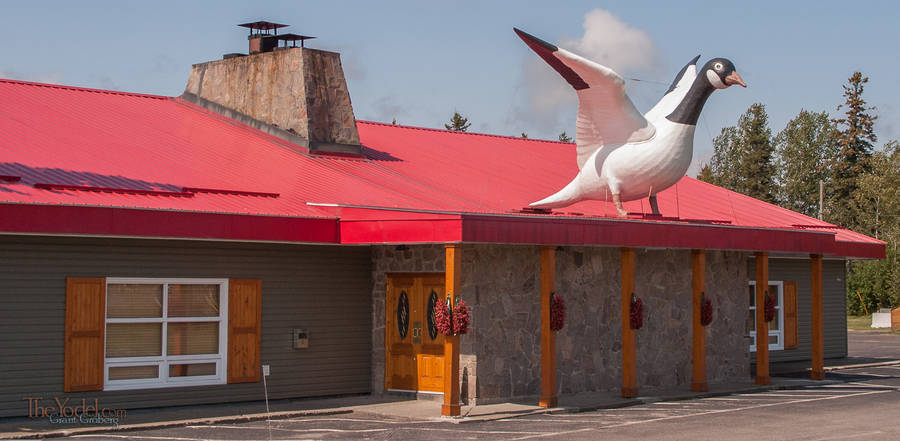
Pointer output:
x,y
377,226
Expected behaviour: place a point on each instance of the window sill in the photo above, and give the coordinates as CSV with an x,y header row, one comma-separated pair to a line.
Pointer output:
x,y
136,385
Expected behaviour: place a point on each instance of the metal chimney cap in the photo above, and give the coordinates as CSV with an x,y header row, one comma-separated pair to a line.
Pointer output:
x,y
262,25
293,38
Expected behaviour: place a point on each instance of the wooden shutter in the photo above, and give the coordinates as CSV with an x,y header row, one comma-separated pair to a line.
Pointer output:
x,y
85,326
790,315
244,317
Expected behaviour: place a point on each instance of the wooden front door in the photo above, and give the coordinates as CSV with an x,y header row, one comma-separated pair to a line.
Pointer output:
x,y
414,349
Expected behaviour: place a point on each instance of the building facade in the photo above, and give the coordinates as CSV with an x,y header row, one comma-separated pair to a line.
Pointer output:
x,y
162,251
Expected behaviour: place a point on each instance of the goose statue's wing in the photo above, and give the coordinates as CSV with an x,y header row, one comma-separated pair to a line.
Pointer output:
x,y
677,91
606,116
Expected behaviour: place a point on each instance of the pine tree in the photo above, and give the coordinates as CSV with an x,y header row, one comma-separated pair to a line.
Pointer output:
x,y
742,156
757,165
881,189
877,280
563,137
803,153
722,169
705,174
458,123
855,136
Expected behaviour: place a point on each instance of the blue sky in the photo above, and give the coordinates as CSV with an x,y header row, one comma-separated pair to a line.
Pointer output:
x,y
418,61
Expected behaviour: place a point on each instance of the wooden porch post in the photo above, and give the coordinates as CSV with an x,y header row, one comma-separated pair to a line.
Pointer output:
x,y
548,337
629,371
698,260
762,327
451,343
818,328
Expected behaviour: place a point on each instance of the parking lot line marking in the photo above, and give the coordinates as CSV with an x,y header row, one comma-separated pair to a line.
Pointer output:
x,y
711,412
563,416
821,394
586,417
811,391
882,386
856,435
677,403
643,407
756,407
820,389
174,438
291,430
547,420
573,415
568,432
464,430
359,420
677,408
685,409
765,396
586,414
328,430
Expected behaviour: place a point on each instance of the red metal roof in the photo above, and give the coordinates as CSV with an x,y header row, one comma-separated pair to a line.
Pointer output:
x,y
74,148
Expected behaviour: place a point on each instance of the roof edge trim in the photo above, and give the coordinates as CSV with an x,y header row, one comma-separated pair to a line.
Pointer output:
x,y
130,222
83,89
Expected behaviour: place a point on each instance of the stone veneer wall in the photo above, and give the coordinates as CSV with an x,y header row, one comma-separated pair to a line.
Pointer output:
x,y
503,284
500,356
727,339
299,90
589,354
589,348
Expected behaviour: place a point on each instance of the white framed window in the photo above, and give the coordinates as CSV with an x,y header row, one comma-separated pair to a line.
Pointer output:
x,y
776,326
165,333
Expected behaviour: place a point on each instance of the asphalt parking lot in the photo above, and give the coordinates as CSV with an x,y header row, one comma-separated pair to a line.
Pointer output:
x,y
875,344
863,404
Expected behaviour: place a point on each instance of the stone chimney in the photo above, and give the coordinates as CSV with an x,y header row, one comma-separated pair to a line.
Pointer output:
x,y
295,93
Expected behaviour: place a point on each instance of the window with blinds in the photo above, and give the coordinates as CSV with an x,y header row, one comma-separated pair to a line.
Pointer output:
x,y
165,332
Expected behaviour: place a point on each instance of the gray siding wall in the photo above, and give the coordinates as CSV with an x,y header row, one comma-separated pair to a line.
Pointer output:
x,y
324,289
835,306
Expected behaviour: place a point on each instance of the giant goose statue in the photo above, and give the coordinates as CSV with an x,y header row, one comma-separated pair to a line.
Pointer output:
x,y
622,154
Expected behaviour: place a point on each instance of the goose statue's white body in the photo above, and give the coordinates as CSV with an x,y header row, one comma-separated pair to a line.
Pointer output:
x,y
633,170
623,155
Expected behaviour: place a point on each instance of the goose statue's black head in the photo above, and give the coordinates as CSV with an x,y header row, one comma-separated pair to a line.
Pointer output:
x,y
718,73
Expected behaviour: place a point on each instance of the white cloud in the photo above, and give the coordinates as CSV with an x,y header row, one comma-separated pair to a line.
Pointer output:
x,y
613,43
10,74
386,109
162,63
548,103
106,82
48,78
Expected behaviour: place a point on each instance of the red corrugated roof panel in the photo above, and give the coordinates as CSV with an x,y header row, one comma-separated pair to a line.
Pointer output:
x,y
92,147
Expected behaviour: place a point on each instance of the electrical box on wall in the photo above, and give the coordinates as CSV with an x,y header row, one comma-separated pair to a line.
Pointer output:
x,y
300,338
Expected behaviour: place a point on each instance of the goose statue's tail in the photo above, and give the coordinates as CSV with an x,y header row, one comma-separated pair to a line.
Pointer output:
x,y
569,195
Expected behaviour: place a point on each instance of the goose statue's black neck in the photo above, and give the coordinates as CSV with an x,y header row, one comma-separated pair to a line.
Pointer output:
x,y
688,110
